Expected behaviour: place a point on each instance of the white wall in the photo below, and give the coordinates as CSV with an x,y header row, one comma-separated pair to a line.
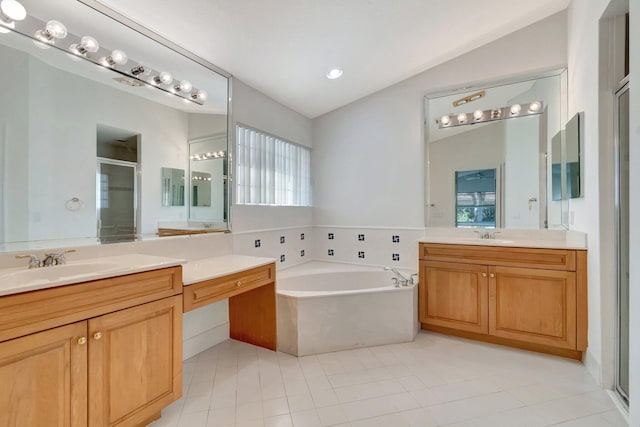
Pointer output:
x,y
522,173
252,108
368,157
591,86
634,37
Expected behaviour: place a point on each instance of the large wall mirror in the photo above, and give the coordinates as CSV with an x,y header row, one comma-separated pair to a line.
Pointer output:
x,y
94,115
489,154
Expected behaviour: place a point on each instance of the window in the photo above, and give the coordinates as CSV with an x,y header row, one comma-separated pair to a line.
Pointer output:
x,y
271,171
476,198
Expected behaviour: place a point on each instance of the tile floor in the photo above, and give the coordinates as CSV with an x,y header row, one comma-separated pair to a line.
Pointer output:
x,y
435,381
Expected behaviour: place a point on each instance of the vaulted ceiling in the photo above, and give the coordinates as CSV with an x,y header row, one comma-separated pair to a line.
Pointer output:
x,y
284,48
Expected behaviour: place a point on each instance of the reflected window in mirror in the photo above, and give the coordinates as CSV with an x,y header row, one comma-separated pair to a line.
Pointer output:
x,y
476,199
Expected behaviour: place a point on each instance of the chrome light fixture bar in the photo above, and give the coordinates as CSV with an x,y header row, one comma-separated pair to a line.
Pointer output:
x,y
45,36
482,116
209,155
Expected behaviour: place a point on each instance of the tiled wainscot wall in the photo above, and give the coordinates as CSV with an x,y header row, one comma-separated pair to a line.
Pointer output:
x,y
368,246
288,246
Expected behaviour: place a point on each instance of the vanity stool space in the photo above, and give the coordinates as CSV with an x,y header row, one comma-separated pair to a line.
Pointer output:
x,y
248,283
531,298
104,352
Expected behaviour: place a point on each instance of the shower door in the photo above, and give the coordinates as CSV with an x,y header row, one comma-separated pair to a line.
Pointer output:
x,y
622,239
116,200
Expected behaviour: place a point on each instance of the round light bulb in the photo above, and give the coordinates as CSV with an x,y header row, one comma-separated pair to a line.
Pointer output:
x,y
535,106
119,57
478,114
515,109
199,95
335,73
462,118
89,44
184,86
56,29
164,78
221,153
445,120
13,10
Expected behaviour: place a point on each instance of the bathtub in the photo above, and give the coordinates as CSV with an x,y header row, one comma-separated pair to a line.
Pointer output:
x,y
324,307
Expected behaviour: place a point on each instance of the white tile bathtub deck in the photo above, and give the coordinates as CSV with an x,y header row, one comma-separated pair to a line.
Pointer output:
x,y
434,381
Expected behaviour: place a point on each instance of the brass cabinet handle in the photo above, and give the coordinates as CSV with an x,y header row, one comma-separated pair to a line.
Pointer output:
x,y
238,283
492,275
97,335
82,340
484,274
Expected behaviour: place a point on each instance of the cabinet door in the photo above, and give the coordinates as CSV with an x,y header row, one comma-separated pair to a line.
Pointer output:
x,y
537,306
454,295
43,378
135,359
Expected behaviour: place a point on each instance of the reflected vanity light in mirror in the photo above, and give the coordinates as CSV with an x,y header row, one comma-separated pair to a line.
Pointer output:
x,y
46,35
206,156
452,120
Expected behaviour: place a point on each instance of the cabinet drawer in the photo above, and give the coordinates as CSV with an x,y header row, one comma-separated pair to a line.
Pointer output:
x,y
25,313
549,259
210,291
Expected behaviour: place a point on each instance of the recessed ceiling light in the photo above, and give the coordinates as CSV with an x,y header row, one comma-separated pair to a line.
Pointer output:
x,y
334,73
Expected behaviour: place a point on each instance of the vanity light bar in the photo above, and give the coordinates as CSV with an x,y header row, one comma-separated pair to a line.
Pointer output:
x,y
46,35
481,116
209,155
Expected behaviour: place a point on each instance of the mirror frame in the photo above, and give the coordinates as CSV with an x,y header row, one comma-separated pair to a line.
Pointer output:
x,y
480,85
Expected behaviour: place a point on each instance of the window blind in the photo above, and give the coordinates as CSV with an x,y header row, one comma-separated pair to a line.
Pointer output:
x,y
271,171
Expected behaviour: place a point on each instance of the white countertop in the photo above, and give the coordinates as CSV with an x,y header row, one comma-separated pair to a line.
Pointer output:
x,y
211,268
513,243
22,279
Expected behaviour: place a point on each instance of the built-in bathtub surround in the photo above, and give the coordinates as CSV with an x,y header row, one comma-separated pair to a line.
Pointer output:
x,y
324,307
288,246
368,246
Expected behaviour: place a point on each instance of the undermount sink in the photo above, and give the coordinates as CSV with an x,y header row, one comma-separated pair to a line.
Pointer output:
x,y
28,277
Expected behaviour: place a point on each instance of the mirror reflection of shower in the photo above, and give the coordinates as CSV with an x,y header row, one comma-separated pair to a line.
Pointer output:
x,y
117,184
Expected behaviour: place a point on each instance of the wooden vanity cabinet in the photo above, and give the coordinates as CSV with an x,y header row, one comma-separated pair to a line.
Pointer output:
x,y
457,296
119,367
252,303
523,297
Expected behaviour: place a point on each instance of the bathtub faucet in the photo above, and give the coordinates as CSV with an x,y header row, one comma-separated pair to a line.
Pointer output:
x,y
399,279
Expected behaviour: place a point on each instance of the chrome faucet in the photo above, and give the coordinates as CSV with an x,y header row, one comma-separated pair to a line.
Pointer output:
x,y
399,279
55,258
486,234
34,261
